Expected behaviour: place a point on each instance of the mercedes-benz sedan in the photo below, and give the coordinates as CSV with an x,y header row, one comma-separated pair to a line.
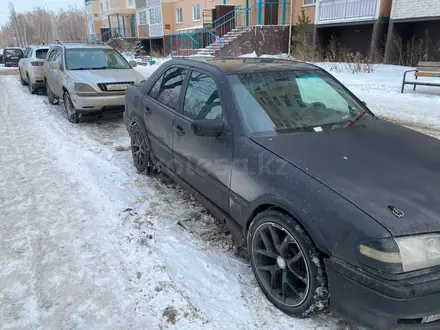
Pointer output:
x,y
334,204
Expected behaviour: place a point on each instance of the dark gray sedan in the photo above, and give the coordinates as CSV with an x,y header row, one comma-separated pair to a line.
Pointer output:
x,y
329,199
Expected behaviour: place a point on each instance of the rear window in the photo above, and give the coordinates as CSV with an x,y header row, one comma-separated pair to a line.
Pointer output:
x,y
41,53
13,52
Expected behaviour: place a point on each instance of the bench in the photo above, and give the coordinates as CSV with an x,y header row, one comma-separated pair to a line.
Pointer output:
x,y
424,69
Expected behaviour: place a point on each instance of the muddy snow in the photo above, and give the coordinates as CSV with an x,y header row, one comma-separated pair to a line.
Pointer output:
x,y
88,243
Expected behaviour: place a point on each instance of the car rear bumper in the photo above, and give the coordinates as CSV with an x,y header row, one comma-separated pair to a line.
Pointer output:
x,y
381,303
114,103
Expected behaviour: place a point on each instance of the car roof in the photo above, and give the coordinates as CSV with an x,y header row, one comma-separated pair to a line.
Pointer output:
x,y
39,46
13,48
82,45
243,64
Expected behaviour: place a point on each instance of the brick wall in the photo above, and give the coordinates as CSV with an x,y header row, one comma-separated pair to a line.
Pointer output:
x,y
403,9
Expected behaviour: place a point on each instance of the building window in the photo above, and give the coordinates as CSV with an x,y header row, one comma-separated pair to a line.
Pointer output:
x,y
101,8
153,2
196,12
156,15
142,17
309,2
130,2
179,16
107,4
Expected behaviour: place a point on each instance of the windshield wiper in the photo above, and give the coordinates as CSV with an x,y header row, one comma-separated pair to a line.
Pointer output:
x,y
353,120
99,68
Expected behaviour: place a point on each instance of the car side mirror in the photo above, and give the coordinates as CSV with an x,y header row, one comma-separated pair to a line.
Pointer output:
x,y
208,127
54,65
132,63
364,103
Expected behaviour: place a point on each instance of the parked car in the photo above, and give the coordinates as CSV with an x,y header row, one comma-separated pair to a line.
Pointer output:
x,y
31,67
1,55
11,56
90,78
329,199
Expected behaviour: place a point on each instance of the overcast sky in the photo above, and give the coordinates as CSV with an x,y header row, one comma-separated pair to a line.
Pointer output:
x,y
26,5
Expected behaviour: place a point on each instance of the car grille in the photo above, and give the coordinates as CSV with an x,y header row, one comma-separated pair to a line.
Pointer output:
x,y
117,86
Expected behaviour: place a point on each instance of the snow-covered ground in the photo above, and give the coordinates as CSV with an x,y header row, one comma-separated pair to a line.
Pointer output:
x,y
87,243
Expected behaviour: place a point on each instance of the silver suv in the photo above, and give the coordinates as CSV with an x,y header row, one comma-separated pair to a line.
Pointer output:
x,y
88,77
31,67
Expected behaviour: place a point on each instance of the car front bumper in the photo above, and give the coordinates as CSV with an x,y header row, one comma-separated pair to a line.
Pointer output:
x,y
110,103
369,300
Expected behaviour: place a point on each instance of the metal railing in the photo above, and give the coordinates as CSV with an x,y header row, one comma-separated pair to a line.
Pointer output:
x,y
224,29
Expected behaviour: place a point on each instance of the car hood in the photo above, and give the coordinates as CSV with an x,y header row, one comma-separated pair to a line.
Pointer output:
x,y
106,76
373,166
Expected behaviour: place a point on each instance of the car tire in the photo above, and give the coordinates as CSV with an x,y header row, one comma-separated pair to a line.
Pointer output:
x,y
286,264
71,113
50,95
23,82
140,150
31,90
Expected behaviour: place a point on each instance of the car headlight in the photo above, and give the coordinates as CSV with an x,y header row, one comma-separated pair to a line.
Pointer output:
x,y
402,254
84,90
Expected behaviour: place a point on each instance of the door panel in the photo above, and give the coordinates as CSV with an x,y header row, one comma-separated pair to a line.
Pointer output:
x,y
57,87
159,106
202,161
50,73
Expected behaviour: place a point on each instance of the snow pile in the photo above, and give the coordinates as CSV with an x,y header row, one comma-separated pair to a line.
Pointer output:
x,y
90,243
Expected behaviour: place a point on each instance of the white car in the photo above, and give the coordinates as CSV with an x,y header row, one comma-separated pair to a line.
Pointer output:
x,y
31,67
89,78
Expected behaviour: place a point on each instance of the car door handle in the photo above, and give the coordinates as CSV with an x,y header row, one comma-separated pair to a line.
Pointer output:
x,y
179,130
147,111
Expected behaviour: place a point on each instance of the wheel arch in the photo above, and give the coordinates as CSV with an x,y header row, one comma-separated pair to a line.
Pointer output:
x,y
292,209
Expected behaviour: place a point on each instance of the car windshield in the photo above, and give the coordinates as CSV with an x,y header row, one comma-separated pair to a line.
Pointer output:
x,y
283,102
41,53
94,59
13,52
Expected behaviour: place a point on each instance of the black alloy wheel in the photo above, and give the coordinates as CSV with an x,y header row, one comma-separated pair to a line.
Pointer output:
x,y
286,264
140,150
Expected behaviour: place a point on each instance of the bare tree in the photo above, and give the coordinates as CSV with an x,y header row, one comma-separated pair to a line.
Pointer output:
x,y
43,26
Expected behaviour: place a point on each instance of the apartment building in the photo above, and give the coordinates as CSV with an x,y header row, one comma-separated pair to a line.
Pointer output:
x,y
158,19
414,32
352,25
93,18
117,18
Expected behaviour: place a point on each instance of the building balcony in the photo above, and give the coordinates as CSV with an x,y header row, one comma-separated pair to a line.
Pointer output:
x,y
340,11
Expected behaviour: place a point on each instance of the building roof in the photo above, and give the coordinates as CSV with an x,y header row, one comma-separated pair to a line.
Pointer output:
x,y
241,65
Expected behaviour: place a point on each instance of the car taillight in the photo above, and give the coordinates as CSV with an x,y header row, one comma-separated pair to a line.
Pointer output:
x,y
37,63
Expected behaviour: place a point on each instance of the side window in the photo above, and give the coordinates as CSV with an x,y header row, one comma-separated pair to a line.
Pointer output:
x,y
170,87
202,100
154,91
27,52
52,55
